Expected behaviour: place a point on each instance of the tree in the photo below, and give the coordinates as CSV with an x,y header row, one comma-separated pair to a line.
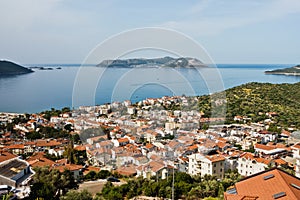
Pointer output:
x,y
68,127
70,153
221,191
90,176
49,184
103,174
76,195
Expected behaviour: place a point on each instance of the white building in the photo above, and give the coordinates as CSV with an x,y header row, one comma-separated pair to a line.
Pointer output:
x,y
248,164
296,155
211,165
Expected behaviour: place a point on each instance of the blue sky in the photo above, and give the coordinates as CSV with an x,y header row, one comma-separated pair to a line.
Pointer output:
x,y
235,31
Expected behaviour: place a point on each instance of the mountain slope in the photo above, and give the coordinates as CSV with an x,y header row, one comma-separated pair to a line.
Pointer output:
x,y
10,68
254,100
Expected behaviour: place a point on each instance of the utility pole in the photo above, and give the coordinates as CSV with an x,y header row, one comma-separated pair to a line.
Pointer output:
x,y
173,185
174,164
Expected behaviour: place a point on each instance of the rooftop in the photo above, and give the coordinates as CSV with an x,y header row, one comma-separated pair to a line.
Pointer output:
x,y
272,184
12,168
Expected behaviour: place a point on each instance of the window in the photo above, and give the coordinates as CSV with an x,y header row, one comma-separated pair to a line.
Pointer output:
x,y
214,171
278,195
221,170
246,166
221,164
215,165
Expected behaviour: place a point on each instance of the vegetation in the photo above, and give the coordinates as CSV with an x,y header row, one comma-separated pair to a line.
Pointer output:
x,y
54,112
92,175
74,156
254,100
185,186
50,184
75,195
47,132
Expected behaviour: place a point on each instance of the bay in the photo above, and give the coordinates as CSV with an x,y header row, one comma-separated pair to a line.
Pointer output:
x,y
47,89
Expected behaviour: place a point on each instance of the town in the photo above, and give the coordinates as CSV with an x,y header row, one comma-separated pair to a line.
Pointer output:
x,y
153,138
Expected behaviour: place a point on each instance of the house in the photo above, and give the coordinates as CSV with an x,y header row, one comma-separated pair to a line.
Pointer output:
x,y
211,164
88,169
17,149
76,170
14,172
249,164
127,170
268,150
267,185
154,168
39,160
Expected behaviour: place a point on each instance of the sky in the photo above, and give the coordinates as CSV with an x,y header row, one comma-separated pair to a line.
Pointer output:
x,y
66,31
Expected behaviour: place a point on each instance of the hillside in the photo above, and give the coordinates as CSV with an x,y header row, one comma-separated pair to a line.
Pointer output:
x,y
10,68
295,71
155,62
254,100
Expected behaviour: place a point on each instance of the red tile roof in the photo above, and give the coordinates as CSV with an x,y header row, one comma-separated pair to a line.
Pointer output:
x,y
71,167
127,170
15,146
91,168
38,160
215,158
6,156
80,148
264,147
123,140
267,184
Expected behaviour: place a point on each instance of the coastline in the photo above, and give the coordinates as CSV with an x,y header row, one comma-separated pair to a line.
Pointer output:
x,y
282,73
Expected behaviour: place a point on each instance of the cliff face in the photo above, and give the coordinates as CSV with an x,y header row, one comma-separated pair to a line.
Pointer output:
x,y
10,68
158,62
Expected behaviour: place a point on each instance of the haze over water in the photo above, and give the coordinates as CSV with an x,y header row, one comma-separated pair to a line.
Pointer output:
x,y
47,89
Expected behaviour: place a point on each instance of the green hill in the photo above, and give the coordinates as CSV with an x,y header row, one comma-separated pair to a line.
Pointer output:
x,y
10,68
254,100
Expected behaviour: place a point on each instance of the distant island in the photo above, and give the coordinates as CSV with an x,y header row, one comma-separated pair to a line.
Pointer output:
x,y
153,62
10,68
291,71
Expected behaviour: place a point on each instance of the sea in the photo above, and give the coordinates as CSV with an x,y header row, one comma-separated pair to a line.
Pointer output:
x,y
74,85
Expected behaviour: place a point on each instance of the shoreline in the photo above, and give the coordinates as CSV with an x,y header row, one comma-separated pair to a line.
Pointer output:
x,y
283,73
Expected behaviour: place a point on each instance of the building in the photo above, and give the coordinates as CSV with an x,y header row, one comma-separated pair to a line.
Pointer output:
x,y
249,164
14,172
202,165
154,169
271,184
296,155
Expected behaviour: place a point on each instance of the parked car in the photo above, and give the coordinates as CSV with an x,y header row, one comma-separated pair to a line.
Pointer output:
x,y
113,179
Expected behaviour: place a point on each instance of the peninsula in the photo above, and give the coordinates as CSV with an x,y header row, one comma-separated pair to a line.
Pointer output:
x,y
10,68
153,62
291,71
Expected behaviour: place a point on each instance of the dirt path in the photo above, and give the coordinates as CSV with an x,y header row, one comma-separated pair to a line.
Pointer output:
x,y
96,186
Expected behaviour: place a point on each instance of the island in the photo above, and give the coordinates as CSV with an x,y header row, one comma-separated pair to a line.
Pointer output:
x,y
291,71
10,68
153,62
